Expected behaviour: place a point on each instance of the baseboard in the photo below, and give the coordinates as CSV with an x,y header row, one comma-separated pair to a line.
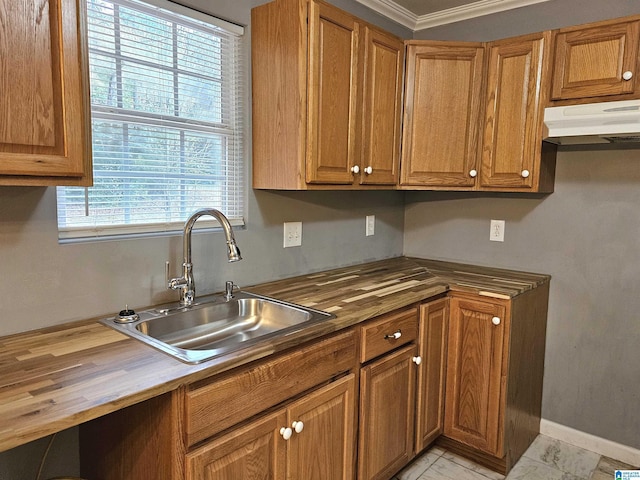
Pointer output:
x,y
590,442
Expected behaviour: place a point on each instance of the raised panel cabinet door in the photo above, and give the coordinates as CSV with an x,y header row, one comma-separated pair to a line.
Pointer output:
x,y
596,61
324,448
43,131
514,111
432,349
387,400
474,396
332,95
442,112
254,452
382,107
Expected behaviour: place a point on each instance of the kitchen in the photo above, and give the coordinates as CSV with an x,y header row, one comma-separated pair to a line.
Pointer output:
x,y
583,235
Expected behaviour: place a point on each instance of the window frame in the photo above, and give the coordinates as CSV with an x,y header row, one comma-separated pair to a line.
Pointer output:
x,y
236,161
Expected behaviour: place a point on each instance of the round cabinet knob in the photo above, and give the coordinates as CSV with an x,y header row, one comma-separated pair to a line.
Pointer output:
x,y
355,169
417,360
297,426
368,170
525,173
394,336
286,433
627,75
473,173
495,320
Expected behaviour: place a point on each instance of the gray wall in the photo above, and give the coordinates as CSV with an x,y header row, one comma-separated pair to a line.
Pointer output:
x,y
49,284
586,235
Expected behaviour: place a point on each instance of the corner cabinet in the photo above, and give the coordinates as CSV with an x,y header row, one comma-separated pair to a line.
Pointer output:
x,y
44,131
484,115
326,98
495,364
597,62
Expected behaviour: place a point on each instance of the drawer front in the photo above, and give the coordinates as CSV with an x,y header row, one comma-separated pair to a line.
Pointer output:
x,y
221,404
387,333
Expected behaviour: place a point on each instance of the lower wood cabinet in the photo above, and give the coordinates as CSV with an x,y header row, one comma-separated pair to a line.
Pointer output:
x,y
476,355
239,424
495,365
387,396
432,350
311,439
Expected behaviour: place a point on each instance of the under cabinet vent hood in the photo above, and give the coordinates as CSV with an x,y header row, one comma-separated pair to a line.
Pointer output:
x,y
607,122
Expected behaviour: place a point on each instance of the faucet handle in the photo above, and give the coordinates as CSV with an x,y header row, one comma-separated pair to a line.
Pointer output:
x,y
172,283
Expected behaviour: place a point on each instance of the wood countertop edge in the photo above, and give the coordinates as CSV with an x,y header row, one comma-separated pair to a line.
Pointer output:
x,y
109,360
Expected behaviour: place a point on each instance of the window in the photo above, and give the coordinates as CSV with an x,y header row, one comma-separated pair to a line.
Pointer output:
x,y
166,119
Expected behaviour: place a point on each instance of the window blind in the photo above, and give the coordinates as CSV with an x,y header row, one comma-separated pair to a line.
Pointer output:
x,y
166,119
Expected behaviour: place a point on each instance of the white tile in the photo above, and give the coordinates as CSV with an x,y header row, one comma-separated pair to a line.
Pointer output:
x,y
469,464
563,456
444,469
420,464
529,469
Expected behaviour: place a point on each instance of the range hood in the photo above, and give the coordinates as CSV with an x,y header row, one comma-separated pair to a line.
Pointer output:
x,y
604,123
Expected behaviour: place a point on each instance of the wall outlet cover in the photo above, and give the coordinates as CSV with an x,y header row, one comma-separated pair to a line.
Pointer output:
x,y
496,232
292,234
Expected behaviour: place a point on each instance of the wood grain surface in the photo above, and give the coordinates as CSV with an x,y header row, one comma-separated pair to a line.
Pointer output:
x,y
59,377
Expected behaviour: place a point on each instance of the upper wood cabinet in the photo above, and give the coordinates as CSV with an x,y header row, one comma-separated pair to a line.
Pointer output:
x,y
596,60
513,155
44,132
326,98
473,116
333,95
443,90
382,107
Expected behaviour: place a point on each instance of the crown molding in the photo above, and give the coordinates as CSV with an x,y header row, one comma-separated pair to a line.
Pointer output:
x,y
404,17
393,11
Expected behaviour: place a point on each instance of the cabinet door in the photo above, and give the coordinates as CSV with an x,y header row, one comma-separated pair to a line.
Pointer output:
x,y
382,107
442,112
43,134
593,62
254,452
434,320
324,448
387,399
474,396
332,95
513,117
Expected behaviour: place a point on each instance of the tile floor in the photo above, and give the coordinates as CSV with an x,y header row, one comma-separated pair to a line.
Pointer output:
x,y
546,459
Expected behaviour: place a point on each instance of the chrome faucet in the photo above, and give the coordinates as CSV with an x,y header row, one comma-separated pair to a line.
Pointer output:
x,y
185,283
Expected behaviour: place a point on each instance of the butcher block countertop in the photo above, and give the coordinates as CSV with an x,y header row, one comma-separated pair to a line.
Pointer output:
x,y
62,376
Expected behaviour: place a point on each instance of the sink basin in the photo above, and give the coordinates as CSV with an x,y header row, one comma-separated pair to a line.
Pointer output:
x,y
217,327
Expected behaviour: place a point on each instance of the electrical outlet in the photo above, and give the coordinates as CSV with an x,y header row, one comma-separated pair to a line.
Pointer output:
x,y
370,228
292,234
496,232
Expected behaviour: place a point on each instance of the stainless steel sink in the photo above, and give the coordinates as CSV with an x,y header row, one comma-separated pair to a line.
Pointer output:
x,y
215,326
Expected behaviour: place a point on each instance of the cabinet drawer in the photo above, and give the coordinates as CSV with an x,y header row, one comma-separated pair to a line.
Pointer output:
x,y
389,332
221,404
